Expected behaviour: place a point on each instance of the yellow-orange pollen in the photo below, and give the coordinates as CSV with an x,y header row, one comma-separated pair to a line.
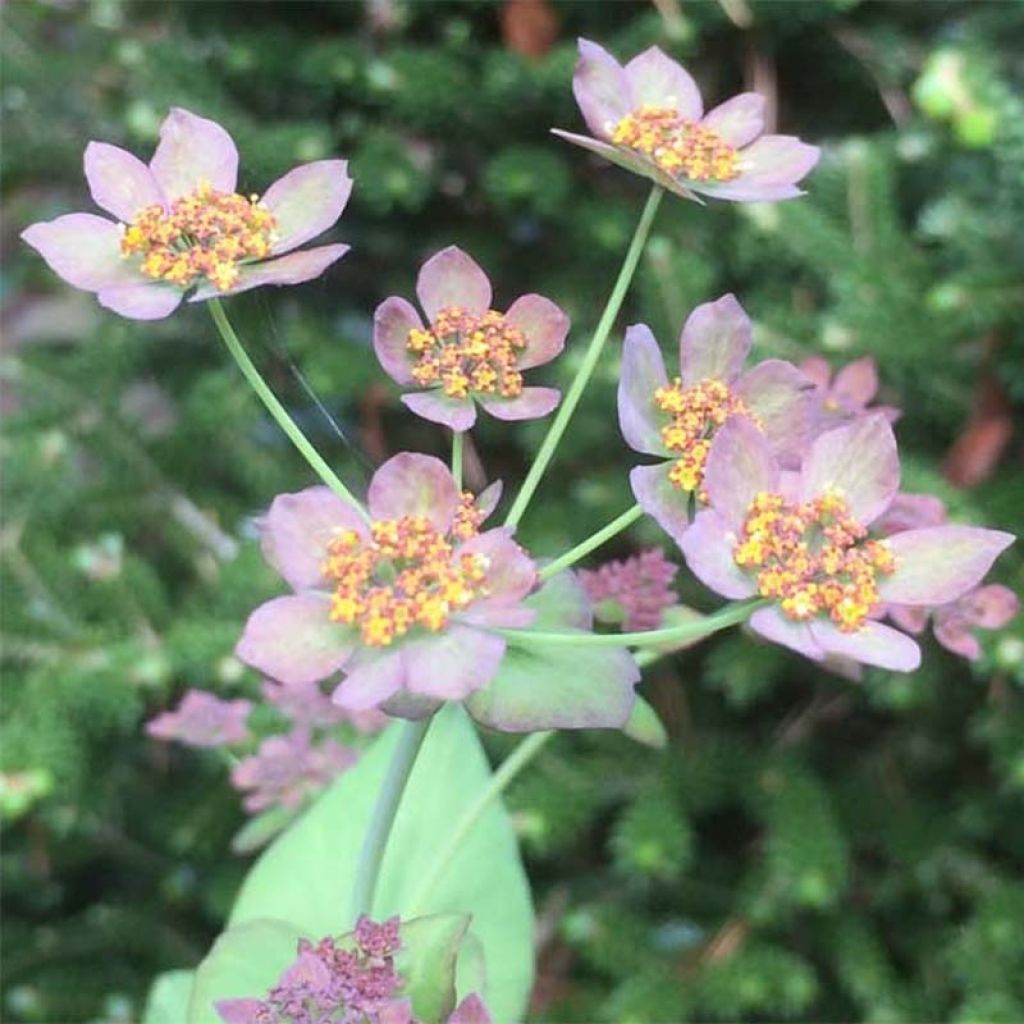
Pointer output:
x,y
406,575
466,352
696,412
679,146
204,235
813,558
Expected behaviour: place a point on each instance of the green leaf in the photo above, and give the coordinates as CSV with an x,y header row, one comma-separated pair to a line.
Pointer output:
x,y
259,830
167,1002
645,726
305,876
561,603
427,962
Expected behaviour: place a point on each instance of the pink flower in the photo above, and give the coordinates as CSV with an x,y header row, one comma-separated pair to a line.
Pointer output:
x,y
633,593
202,720
467,352
305,704
180,224
801,541
848,394
649,118
679,419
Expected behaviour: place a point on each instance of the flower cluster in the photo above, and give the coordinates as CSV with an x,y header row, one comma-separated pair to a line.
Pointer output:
x,y
633,592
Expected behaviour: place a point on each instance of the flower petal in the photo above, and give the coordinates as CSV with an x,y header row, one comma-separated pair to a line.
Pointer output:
x,y
643,372
392,322
714,342
414,485
860,463
657,80
295,268
142,300
453,664
954,633
511,573
773,625
307,201
911,512
740,465
909,618
370,680
781,398
487,500
529,404
193,150
769,170
872,644
470,1011
990,607
83,249
457,413
661,499
452,278
545,326
601,88
856,383
708,546
738,121
498,614
119,181
298,528
817,370
291,639
938,564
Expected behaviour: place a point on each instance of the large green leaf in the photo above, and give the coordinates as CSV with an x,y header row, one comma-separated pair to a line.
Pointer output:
x,y
167,1002
305,876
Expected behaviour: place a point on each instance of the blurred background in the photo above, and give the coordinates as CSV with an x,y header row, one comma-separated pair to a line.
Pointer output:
x,y
807,847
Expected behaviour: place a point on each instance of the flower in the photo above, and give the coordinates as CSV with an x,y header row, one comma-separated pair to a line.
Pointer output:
x,y
634,592
180,224
307,705
649,118
678,419
403,603
467,352
202,720
802,542
848,394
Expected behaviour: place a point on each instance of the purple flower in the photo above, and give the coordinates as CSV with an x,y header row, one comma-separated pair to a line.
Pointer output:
x,y
467,352
801,541
179,223
678,419
202,720
405,604
633,593
649,118
841,398
305,704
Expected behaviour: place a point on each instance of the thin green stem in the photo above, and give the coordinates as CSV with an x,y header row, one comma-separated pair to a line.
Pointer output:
x,y
458,441
510,768
590,360
276,409
390,796
731,615
584,548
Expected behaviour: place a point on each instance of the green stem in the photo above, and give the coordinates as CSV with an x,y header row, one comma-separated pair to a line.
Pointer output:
x,y
595,541
590,359
275,408
390,796
510,768
458,440
731,615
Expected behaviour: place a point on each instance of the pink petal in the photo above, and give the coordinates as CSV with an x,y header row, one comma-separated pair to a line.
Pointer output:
x,y
414,485
738,121
453,664
298,528
529,404
938,564
817,368
911,512
141,301
307,201
601,88
910,619
295,268
781,398
291,639
657,80
452,278
857,382
872,644
83,249
370,680
392,322
511,573
714,342
954,633
193,150
545,326
119,181
769,170
497,614
470,1011
990,607
773,625
239,1011
643,372
487,500
457,413
739,466
859,462
708,546
661,499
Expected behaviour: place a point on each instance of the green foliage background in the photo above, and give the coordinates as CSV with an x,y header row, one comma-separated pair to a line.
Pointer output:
x,y
806,848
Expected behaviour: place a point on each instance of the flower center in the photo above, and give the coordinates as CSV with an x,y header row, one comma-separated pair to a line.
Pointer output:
x,y
466,352
205,234
407,574
813,557
695,414
679,146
